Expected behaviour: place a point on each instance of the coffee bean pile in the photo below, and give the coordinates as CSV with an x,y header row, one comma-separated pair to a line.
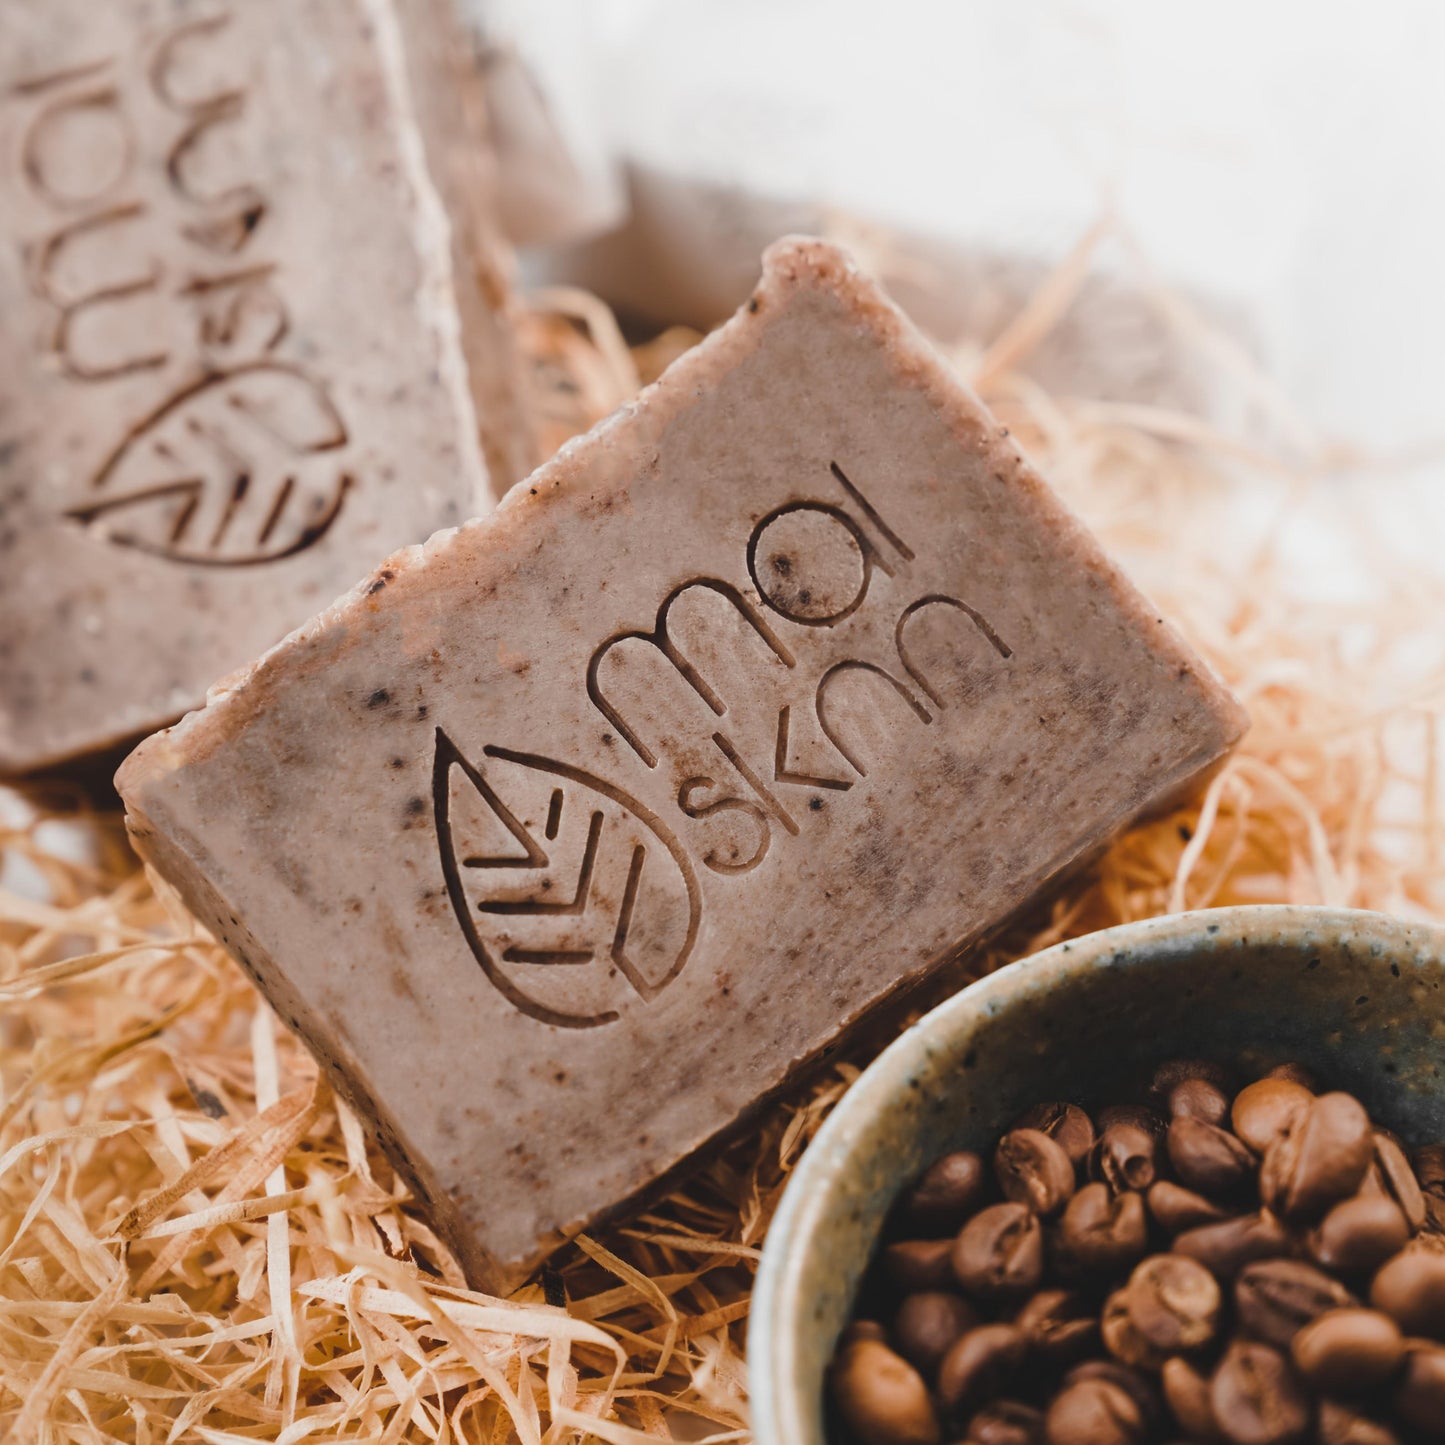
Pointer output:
x,y
1259,1268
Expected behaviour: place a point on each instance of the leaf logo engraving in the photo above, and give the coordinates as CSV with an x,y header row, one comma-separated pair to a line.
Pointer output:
x,y
243,467
576,900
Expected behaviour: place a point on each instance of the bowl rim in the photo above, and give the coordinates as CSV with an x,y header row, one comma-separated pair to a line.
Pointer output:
x,y
779,1414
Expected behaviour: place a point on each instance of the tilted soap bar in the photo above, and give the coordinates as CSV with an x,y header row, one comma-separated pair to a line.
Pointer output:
x,y
567,838
252,338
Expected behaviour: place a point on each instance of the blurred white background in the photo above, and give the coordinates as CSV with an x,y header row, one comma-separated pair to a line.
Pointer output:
x,y
1284,162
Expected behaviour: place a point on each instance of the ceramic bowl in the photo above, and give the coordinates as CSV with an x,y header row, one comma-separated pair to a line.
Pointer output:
x,y
1358,997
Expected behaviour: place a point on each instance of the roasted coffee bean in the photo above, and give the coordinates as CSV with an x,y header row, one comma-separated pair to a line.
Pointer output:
x,y
1295,1074
1276,1298
1101,1232
1373,1185
1434,1226
1125,1157
927,1323
1186,1392
949,1191
915,1264
1432,1237
1265,1111
1176,1208
1059,1326
980,1366
1411,1289
1257,1398
1419,1398
882,1398
1064,1269
1429,1165
1006,1422
1168,1076
1134,1383
1199,1099
1094,1412
1345,1352
1135,1115
1173,1303
1320,1161
1122,1337
1225,1248
1358,1235
1429,1169
1066,1124
1399,1179
1208,1158
1340,1425
1034,1170
1000,1251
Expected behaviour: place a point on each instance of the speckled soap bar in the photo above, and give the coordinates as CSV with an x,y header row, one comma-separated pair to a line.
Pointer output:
x,y
569,837
253,337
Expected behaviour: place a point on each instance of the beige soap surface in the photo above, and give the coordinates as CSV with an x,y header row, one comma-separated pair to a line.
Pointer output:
x,y
233,374
566,838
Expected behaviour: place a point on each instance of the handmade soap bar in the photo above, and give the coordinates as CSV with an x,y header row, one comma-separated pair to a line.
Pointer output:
x,y
243,353
568,837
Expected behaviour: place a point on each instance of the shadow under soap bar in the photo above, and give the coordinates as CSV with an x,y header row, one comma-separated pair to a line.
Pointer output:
x,y
567,838
253,338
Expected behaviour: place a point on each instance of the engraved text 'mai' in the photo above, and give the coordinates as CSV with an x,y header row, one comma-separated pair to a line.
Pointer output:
x,y
747,694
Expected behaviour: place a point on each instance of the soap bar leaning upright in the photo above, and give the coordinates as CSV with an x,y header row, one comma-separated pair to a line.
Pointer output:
x,y
571,836
254,336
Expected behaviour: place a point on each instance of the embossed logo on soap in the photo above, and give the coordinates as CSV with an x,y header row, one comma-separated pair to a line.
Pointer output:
x,y
758,709
149,231
574,897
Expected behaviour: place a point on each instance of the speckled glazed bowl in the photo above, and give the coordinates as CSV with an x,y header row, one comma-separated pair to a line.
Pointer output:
x,y
1358,997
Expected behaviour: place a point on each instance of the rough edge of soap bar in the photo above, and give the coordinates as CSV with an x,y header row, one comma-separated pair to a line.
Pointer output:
x,y
788,265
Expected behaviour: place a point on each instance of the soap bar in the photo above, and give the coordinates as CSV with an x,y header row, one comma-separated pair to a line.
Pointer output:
x,y
255,337
568,838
